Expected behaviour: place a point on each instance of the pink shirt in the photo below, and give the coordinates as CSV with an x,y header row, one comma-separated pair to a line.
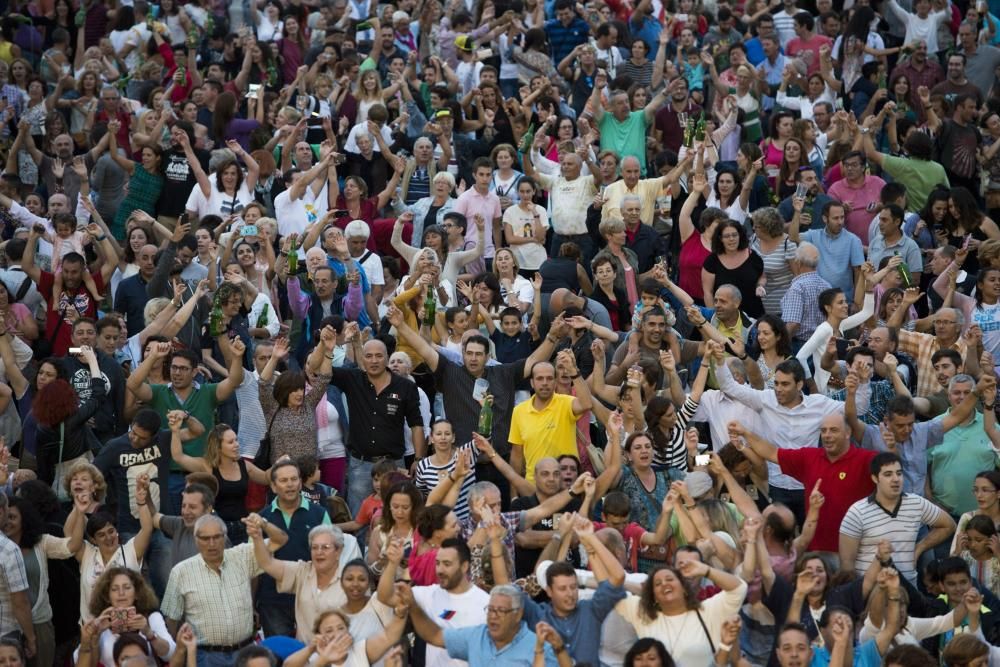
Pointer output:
x,y
857,200
808,51
470,203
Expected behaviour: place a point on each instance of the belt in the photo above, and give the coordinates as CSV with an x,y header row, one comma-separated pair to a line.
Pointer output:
x,y
225,648
376,458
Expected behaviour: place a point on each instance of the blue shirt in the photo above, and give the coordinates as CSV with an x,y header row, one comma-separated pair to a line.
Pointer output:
x,y
913,451
563,39
475,646
581,630
865,655
341,270
838,255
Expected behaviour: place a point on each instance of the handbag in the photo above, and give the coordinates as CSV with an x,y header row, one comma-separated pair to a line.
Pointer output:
x,y
43,346
263,457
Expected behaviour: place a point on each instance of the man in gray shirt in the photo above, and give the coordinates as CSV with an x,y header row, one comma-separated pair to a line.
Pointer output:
x,y
981,60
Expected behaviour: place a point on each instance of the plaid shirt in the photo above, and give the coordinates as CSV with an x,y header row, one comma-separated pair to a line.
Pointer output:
x,y
921,347
218,604
882,392
801,303
13,579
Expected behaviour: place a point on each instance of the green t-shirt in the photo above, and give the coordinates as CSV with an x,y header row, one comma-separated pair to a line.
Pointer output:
x,y
919,176
627,138
954,464
201,403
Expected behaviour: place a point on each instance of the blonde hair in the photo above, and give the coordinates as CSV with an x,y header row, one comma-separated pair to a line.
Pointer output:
x,y
153,308
326,614
100,485
361,94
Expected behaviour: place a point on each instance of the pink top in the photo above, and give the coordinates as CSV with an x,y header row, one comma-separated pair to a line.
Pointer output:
x,y
857,201
808,51
772,162
692,256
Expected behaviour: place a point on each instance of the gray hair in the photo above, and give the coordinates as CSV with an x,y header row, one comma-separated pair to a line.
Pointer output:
x,y
630,198
208,519
737,368
807,255
479,489
510,591
335,533
959,315
733,290
961,378
220,159
610,226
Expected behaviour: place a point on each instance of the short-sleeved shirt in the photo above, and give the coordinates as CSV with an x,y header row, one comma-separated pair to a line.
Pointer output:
x,y
300,580
626,137
122,464
450,611
549,432
79,298
845,481
201,403
471,203
838,255
913,450
219,604
475,646
13,579
869,522
377,420
182,542
920,177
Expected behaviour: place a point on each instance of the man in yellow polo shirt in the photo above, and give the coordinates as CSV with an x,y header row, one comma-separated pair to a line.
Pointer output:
x,y
545,426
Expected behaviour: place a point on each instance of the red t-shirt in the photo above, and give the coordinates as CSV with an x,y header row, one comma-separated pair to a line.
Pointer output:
x,y
80,298
633,542
845,481
808,51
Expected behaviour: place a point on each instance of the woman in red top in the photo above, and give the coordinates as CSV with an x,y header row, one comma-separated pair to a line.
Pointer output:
x,y
353,203
696,248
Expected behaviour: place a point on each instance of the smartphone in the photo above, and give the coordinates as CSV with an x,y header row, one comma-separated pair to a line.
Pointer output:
x,y
253,91
182,219
119,617
480,389
248,230
965,243
702,459
483,54
340,212
73,351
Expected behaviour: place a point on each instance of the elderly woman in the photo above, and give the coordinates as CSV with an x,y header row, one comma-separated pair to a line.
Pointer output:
x,y
777,250
450,263
430,210
315,583
624,259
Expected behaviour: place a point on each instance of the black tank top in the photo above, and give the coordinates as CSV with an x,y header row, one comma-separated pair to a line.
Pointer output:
x,y
230,502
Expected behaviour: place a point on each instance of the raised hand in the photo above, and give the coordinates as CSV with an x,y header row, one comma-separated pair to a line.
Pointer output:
x,y
816,498
692,569
804,583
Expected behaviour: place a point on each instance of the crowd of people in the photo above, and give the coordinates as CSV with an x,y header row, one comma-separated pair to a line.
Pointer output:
x,y
513,332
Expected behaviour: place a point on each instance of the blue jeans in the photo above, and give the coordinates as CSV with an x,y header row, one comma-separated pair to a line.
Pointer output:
x,y
156,558
359,481
277,616
215,659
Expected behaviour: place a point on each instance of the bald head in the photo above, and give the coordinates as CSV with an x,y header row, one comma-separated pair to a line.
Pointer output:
x,y
562,299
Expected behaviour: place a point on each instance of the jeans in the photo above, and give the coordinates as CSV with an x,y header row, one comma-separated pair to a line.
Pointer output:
x,y
359,481
277,615
215,659
156,558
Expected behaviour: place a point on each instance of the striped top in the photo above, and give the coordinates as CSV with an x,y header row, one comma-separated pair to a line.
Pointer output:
x,y
428,475
870,523
778,272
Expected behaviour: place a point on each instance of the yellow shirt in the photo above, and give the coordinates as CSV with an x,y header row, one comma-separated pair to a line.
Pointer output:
x,y
647,189
549,432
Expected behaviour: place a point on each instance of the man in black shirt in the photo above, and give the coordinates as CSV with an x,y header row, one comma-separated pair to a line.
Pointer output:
x,y
379,402
178,177
529,543
108,421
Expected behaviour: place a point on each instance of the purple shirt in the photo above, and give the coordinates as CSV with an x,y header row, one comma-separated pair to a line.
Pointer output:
x,y
470,203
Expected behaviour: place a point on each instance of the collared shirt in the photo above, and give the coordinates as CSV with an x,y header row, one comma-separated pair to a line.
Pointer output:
x,y
581,629
788,428
470,204
219,604
475,646
880,392
931,75
906,247
869,522
15,580
772,75
299,578
801,303
647,189
377,420
549,432
838,255
921,347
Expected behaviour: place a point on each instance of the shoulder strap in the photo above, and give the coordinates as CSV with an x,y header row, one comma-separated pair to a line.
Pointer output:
x,y
364,257
23,289
704,627
62,440
271,423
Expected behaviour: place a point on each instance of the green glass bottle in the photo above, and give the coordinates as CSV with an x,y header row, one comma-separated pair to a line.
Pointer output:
x,y
904,273
699,128
293,258
430,307
215,320
527,139
485,426
262,318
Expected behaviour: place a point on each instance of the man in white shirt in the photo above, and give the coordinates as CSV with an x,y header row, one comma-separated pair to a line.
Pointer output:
x,y
571,194
453,602
298,206
357,233
718,409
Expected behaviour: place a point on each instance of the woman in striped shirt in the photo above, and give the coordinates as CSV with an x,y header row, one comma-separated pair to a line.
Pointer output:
x,y
442,462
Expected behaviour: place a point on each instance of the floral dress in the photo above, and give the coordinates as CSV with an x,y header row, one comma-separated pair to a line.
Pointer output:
x,y
647,505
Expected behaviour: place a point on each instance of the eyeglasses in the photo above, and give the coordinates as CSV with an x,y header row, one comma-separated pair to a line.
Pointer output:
x,y
218,537
497,611
324,547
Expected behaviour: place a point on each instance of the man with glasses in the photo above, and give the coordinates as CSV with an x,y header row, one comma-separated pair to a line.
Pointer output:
x,y
452,603
297,516
213,592
859,193
504,632
948,323
184,393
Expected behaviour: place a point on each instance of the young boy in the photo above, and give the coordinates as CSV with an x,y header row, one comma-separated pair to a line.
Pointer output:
x,y
371,507
511,341
615,511
649,296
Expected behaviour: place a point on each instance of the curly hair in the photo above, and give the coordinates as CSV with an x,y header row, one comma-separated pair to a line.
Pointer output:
x,y
213,444
100,484
55,402
145,599
648,605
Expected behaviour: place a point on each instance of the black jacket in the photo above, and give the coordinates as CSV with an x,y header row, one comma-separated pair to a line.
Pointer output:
x,y
76,435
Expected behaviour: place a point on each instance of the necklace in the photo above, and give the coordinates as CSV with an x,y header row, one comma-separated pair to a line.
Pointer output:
x,y
675,636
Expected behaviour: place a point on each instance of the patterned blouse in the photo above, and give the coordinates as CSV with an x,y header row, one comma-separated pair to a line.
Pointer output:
x,y
293,430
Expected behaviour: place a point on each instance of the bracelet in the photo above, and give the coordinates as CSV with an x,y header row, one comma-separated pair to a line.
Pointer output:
x,y
101,237
451,478
725,647
701,324
175,305
988,407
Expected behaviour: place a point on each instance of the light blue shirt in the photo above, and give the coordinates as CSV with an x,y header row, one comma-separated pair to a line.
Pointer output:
x,y
838,255
905,246
475,646
865,655
913,451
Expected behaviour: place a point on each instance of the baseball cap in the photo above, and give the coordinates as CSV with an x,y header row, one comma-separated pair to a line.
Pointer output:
x,y
465,43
